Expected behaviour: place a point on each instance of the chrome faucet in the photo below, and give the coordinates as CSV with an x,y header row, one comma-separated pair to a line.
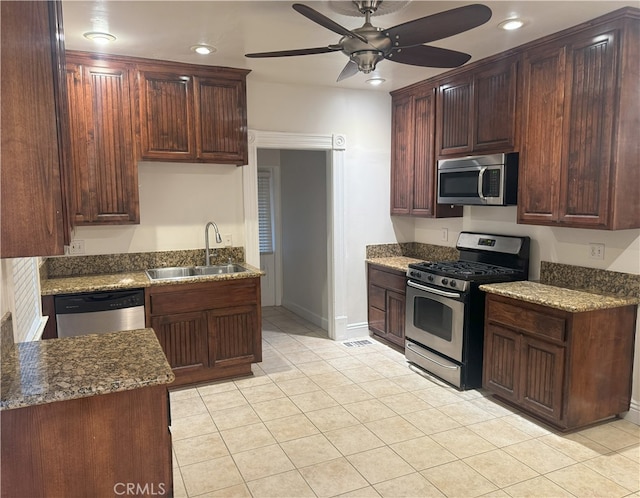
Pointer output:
x,y
207,255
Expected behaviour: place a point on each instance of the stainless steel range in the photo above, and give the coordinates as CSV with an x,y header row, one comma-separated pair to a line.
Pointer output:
x,y
444,330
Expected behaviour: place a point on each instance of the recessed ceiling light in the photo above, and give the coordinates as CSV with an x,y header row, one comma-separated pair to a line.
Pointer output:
x,y
99,37
203,49
375,81
511,24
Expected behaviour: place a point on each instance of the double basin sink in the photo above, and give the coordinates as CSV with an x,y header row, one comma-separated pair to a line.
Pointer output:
x,y
178,272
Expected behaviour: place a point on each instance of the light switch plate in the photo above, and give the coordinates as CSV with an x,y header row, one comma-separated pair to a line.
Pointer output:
x,y
227,238
76,247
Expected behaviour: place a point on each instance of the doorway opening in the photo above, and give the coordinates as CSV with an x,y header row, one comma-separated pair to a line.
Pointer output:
x,y
334,147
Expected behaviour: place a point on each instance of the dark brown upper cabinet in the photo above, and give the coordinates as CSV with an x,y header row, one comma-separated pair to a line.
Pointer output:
x,y
580,147
105,172
477,109
413,160
35,218
192,114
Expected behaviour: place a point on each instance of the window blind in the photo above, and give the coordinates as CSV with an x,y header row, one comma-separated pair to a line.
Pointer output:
x,y
26,293
265,211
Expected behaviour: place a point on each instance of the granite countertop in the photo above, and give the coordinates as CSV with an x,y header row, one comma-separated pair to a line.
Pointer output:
x,y
131,280
574,301
400,263
40,372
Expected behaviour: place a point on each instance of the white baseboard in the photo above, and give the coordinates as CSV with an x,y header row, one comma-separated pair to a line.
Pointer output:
x,y
308,315
354,331
633,415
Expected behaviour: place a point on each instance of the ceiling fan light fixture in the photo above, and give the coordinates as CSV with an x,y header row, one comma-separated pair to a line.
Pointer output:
x,y
367,59
99,37
203,49
375,81
511,24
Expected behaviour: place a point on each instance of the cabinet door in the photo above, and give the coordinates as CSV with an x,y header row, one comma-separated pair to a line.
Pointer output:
x,y
232,335
424,162
33,126
541,380
220,120
166,116
455,111
495,107
402,123
541,144
590,89
183,338
501,365
113,172
395,317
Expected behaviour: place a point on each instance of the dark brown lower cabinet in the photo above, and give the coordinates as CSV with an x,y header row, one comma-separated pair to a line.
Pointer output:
x,y
114,444
208,330
568,369
386,303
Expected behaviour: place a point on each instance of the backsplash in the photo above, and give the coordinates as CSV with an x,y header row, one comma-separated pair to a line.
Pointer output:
x,y
418,250
127,262
590,279
6,336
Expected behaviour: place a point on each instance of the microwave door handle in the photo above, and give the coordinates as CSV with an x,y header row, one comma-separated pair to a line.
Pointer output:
x,y
481,183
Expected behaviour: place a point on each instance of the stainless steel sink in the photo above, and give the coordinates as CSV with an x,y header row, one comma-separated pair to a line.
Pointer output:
x,y
178,272
219,269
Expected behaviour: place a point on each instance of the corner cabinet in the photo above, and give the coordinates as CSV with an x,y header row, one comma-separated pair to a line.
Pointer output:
x,y
413,159
105,171
190,114
35,133
568,369
386,297
208,330
477,109
580,148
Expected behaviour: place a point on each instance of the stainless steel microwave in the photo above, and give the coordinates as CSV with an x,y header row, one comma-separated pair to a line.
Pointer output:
x,y
490,180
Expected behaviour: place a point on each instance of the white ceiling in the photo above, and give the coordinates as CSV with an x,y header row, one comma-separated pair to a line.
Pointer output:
x,y
167,29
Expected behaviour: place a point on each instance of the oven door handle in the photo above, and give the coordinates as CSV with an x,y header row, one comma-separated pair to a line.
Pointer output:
x,y
433,291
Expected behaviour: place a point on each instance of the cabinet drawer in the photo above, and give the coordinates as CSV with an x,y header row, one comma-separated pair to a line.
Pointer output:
x,y
538,323
388,280
377,297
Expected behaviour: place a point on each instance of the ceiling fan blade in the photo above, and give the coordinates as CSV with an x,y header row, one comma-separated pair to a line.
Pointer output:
x,y
290,53
438,26
324,21
349,70
427,56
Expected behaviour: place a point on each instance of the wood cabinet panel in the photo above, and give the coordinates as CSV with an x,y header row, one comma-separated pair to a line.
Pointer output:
x,y
220,121
209,330
183,338
105,171
35,132
579,149
424,183
166,115
569,383
84,447
402,123
455,116
386,303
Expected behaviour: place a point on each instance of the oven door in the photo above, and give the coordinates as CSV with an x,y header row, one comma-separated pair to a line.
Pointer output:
x,y
435,319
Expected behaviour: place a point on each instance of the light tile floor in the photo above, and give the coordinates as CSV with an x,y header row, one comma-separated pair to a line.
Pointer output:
x,y
322,419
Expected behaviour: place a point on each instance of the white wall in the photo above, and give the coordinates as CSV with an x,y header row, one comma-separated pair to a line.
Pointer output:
x,y
176,202
303,187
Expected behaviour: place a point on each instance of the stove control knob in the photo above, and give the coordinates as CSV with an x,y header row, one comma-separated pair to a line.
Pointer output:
x,y
445,281
430,278
453,283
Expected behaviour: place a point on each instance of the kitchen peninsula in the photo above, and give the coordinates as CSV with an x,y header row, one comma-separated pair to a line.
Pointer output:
x,y
82,415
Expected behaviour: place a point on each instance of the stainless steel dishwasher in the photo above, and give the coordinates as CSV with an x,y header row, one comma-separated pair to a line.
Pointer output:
x,y
99,312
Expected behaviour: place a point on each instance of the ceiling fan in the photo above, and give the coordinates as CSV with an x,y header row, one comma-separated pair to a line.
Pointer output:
x,y
404,43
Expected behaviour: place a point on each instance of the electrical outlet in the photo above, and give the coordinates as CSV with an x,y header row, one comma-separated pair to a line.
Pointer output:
x,y
596,251
444,234
76,247
227,238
